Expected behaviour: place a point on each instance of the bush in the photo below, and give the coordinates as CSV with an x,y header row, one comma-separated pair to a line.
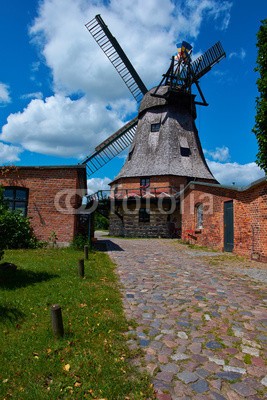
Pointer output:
x,y
79,242
3,209
15,229
101,222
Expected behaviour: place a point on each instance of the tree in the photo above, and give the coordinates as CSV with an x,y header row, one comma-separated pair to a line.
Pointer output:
x,y
260,128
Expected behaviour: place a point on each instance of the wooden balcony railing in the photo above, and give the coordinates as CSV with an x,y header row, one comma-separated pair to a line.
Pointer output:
x,y
140,192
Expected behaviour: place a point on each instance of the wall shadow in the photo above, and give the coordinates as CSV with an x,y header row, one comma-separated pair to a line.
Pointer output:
x,y
107,245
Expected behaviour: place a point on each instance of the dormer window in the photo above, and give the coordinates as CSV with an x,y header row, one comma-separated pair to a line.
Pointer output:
x,y
155,127
185,151
184,147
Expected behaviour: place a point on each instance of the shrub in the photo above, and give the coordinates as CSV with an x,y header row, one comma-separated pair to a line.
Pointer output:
x,y
79,242
101,222
3,209
15,229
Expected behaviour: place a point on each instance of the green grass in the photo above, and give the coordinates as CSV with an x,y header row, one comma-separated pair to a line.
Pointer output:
x,y
247,359
91,361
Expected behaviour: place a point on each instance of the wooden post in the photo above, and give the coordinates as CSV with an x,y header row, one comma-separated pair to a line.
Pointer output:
x,y
57,322
81,268
86,251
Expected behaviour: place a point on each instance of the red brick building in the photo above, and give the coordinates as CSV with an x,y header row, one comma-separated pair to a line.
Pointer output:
x,y
227,218
51,196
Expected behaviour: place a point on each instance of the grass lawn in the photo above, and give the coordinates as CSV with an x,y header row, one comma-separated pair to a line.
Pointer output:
x,y
91,361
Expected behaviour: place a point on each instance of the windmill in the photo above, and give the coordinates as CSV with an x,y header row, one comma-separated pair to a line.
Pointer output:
x,y
165,148
190,73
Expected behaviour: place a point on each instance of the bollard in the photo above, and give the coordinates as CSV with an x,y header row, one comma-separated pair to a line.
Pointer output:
x,y
57,322
81,268
86,251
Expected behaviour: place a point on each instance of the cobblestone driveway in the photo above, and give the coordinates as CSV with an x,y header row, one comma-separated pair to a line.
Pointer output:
x,y
202,327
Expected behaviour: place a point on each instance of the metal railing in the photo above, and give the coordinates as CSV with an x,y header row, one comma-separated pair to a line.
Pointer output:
x,y
135,193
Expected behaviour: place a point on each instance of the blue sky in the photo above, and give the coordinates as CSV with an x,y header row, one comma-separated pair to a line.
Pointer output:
x,y
60,97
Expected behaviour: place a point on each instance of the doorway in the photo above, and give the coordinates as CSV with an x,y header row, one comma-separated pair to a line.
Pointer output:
x,y
228,226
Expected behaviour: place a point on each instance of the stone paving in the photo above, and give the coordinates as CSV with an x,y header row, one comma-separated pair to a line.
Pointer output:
x,y
203,328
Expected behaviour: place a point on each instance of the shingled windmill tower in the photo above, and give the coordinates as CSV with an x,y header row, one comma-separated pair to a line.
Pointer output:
x,y
166,152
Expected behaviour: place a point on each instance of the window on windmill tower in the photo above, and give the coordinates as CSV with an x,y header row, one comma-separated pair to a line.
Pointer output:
x,y
155,127
199,215
144,183
144,215
17,198
184,147
185,151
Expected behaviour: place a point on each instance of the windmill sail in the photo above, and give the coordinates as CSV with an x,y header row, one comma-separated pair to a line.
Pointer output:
x,y
108,43
111,147
206,61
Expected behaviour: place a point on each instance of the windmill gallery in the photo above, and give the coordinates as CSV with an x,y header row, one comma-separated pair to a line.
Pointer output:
x,y
165,188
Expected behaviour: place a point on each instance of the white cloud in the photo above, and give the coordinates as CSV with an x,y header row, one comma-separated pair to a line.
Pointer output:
x,y
241,54
147,31
219,154
95,184
4,94
240,174
9,153
34,95
60,126
196,12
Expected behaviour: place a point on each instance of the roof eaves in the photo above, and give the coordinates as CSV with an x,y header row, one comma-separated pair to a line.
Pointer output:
x,y
215,185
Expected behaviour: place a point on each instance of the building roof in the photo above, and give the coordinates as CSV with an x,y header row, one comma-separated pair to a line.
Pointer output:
x,y
233,188
77,166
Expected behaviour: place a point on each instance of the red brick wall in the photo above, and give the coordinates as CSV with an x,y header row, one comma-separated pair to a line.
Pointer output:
x,y
250,218
44,184
212,234
251,223
155,182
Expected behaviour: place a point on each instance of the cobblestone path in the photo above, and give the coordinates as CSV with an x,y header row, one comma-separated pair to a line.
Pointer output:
x,y
202,327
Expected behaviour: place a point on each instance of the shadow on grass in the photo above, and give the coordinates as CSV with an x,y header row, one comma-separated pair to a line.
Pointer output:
x,y
10,315
14,279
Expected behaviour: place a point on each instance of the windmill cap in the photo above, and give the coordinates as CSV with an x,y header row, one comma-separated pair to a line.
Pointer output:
x,y
179,99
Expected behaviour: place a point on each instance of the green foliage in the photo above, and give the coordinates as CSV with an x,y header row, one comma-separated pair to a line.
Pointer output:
x,y
79,242
15,229
260,128
101,222
3,209
92,360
